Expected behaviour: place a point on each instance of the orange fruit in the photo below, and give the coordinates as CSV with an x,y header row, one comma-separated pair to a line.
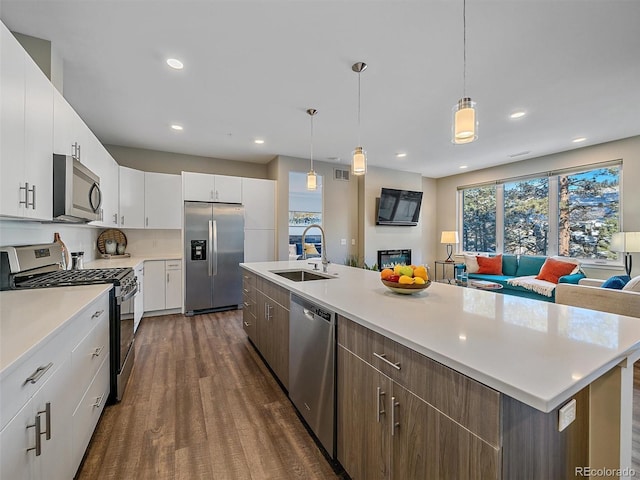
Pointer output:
x,y
386,273
421,272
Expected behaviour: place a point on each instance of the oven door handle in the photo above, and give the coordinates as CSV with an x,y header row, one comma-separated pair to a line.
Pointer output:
x,y
129,295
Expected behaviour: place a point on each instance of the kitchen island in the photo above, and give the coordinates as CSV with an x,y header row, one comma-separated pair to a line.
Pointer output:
x,y
535,356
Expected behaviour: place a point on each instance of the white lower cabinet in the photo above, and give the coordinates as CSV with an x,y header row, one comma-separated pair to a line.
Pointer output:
x,y
38,439
163,285
138,300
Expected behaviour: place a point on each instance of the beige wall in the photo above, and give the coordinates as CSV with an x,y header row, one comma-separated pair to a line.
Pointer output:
x,y
627,149
386,237
339,206
167,162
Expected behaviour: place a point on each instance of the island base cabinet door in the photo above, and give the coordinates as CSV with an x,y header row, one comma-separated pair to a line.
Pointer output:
x,y
16,437
364,407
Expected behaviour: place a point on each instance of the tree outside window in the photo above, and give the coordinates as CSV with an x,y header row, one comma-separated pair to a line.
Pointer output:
x,y
526,217
479,219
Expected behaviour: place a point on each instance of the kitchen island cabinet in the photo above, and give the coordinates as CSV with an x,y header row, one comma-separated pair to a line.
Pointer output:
x,y
473,382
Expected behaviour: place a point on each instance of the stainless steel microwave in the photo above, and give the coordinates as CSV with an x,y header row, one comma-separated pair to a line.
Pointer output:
x,y
76,191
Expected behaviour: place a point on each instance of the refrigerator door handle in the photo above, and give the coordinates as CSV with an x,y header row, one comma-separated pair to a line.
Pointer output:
x,y
215,248
210,262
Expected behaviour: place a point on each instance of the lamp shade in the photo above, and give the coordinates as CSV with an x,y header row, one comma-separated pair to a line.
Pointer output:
x,y
465,128
625,242
312,180
449,237
359,163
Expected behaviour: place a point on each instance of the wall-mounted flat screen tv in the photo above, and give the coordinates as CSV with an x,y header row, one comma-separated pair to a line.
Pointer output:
x,y
399,207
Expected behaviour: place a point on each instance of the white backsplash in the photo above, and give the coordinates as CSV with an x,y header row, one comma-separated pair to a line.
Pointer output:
x,y
77,237
153,242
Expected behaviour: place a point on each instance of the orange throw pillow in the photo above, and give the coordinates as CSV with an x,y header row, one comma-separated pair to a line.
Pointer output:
x,y
490,265
553,269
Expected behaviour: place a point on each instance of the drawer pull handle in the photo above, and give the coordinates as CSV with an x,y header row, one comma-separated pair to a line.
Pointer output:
x,y
38,447
379,406
246,304
47,411
394,424
245,290
97,351
382,356
35,376
247,324
98,401
97,314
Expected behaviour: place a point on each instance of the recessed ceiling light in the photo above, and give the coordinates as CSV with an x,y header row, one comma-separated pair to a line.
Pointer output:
x,y
177,127
175,63
258,141
518,114
579,139
401,155
462,167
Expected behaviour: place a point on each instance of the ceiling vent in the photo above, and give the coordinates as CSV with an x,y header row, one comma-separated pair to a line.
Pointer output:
x,y
341,174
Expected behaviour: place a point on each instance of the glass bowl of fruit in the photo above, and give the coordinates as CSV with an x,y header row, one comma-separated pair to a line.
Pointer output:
x,y
406,279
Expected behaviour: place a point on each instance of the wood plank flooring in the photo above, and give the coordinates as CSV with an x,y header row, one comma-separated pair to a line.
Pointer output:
x,y
200,404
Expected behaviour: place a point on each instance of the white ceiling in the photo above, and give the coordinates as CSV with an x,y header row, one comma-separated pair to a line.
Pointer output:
x,y
252,68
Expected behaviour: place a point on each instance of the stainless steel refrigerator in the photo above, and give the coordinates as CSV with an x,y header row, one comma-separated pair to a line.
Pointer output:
x,y
214,248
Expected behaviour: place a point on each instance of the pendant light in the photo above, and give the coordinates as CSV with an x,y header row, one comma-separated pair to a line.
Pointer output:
x,y
359,161
465,124
312,178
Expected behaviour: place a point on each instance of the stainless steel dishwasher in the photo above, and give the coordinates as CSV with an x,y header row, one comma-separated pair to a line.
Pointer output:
x,y
312,351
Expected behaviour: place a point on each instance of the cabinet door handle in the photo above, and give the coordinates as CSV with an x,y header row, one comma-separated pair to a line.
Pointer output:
x,y
122,220
97,314
38,447
115,218
33,198
97,351
382,356
40,371
167,278
47,412
26,195
247,324
394,424
246,304
98,401
146,222
379,406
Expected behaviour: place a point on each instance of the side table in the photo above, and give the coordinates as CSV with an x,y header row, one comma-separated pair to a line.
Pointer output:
x,y
444,278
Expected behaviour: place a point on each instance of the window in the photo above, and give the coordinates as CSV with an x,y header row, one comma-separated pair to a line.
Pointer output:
x,y
479,219
526,216
518,215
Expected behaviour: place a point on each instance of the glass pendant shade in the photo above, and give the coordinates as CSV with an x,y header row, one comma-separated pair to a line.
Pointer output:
x,y
312,180
359,162
465,125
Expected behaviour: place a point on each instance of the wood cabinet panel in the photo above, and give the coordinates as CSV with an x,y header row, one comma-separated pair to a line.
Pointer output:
x,y
363,435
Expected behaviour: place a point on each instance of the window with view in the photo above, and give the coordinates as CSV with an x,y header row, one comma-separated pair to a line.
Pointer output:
x,y
519,216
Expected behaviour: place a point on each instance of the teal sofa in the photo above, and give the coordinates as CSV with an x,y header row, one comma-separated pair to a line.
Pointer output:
x,y
521,266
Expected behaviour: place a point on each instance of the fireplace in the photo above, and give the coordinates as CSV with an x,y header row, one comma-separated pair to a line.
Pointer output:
x,y
390,258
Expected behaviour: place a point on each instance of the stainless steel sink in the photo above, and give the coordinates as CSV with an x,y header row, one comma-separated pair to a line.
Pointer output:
x,y
302,275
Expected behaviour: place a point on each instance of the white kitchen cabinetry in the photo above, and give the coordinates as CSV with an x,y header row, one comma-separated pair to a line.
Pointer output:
x,y
71,135
163,285
26,128
203,187
109,184
258,198
131,206
138,301
162,200
40,393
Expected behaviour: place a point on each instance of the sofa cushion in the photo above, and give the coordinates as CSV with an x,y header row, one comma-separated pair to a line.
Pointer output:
x,y
490,265
553,269
633,285
572,278
577,267
471,261
509,264
617,282
529,265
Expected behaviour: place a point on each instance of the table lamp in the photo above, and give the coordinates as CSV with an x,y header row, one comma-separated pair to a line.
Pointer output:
x,y
626,243
449,238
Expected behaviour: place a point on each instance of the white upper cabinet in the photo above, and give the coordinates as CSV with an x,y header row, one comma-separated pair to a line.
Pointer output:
x,y
258,198
26,129
131,205
71,136
109,172
162,200
203,187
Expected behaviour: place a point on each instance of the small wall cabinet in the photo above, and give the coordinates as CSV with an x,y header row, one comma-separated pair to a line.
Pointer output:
x,y
203,187
131,206
162,200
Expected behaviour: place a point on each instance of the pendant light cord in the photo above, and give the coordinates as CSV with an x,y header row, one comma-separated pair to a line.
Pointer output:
x,y
312,143
359,143
464,48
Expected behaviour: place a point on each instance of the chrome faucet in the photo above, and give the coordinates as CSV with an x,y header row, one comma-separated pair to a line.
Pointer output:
x,y
323,254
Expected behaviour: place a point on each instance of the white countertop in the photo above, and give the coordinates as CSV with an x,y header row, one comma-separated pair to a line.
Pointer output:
x,y
133,261
29,317
536,352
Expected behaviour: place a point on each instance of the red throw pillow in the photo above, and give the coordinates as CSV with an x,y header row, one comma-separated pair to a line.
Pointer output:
x,y
553,269
490,265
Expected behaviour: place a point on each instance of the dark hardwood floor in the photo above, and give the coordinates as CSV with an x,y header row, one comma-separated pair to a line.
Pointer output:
x,y
200,404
